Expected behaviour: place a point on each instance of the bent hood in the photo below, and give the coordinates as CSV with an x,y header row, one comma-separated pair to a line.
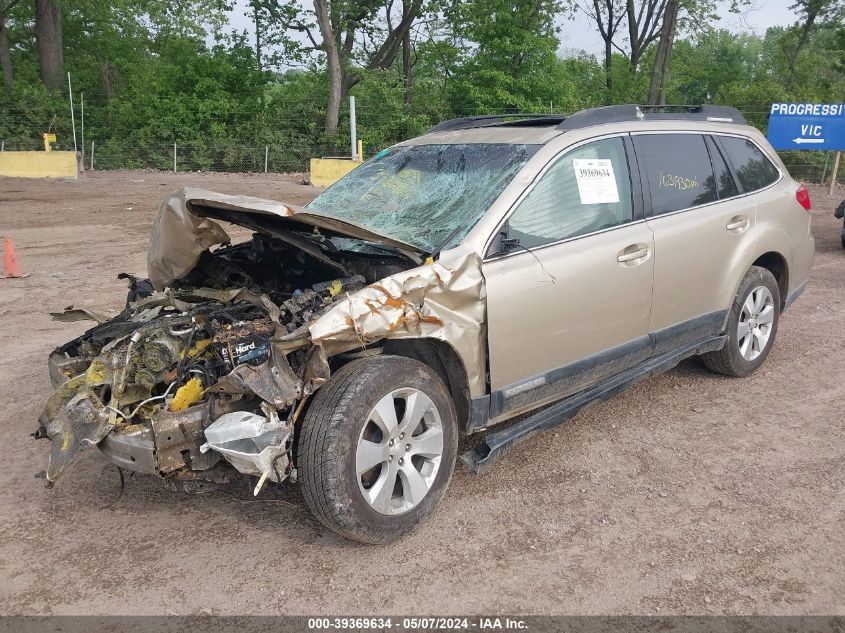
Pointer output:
x,y
184,228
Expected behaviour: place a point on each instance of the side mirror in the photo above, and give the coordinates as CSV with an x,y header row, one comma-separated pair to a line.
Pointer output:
x,y
502,244
509,244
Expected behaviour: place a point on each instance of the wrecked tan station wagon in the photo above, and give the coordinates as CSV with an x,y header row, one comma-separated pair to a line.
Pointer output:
x,y
494,267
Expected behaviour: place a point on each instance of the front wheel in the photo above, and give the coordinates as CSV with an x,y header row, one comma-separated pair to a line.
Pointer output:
x,y
377,448
752,325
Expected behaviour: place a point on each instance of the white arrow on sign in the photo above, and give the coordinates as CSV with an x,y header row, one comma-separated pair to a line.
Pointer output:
x,y
799,140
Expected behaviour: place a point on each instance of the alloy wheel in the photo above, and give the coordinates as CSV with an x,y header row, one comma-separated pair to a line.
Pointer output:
x,y
399,451
755,323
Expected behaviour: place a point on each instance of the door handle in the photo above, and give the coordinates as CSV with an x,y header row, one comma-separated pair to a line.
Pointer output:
x,y
738,224
630,254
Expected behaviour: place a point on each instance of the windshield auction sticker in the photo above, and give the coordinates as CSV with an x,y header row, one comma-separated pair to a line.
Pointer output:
x,y
596,181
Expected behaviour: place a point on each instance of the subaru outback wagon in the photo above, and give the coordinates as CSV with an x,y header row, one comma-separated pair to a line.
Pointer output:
x,y
494,267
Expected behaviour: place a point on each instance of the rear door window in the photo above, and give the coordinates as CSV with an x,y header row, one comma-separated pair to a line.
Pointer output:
x,y
754,170
678,170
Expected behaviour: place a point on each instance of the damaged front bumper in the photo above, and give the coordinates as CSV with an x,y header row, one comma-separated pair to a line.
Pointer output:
x,y
171,392
171,442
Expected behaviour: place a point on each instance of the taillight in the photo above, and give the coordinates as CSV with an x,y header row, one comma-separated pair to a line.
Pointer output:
x,y
803,197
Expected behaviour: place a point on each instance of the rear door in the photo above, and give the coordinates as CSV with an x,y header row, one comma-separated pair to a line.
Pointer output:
x,y
569,292
700,222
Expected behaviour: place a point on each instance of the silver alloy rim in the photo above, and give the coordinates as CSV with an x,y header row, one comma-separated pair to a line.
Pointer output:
x,y
399,451
755,323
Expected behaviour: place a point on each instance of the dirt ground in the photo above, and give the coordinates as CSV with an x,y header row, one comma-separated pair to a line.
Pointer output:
x,y
691,493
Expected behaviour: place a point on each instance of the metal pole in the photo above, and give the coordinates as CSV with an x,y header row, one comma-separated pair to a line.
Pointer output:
x,y
835,172
2,146
352,130
174,158
824,171
92,155
82,117
72,120
266,155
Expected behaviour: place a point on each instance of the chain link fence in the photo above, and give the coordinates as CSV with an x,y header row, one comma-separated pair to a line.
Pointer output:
x,y
292,152
184,157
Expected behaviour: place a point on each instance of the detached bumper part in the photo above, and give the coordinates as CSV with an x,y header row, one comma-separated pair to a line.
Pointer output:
x,y
73,419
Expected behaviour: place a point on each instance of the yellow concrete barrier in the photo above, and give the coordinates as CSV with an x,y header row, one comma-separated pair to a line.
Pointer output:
x,y
327,171
38,164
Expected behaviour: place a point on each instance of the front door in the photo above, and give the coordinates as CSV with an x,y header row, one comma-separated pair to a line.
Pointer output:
x,y
569,290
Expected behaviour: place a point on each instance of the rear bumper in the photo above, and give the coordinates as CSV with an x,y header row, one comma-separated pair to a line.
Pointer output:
x,y
799,268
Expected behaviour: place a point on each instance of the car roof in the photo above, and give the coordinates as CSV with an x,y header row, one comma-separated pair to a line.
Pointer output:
x,y
538,129
493,134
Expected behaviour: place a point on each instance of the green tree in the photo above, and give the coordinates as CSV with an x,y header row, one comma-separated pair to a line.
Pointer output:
x,y
810,14
6,68
334,29
506,57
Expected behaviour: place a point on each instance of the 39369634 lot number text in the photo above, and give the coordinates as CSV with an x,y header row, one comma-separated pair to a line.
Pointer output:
x,y
416,624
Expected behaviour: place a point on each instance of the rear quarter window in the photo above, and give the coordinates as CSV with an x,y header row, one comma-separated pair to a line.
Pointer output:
x,y
678,170
724,179
753,169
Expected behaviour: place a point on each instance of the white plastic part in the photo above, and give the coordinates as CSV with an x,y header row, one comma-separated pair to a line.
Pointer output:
x,y
253,444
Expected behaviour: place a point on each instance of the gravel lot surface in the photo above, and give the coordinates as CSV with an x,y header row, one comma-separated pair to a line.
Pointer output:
x,y
690,493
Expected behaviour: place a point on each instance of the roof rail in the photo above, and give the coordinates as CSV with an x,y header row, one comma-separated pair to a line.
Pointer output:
x,y
632,112
490,120
597,116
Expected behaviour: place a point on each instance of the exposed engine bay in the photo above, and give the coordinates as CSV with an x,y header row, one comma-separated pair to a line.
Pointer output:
x,y
206,377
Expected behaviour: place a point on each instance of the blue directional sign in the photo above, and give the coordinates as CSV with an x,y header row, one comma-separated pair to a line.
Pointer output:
x,y
807,126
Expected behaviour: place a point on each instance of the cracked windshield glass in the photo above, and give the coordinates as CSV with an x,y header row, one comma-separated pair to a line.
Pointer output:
x,y
428,196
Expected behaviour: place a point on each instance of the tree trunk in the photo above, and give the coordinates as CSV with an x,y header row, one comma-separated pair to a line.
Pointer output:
x,y
663,57
633,34
802,41
407,79
48,36
608,55
5,56
105,80
335,69
257,35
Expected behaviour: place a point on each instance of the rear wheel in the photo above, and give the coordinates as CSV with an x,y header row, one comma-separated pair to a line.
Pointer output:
x,y
752,326
377,448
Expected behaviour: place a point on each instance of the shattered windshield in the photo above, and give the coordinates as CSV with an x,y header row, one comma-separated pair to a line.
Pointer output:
x,y
428,196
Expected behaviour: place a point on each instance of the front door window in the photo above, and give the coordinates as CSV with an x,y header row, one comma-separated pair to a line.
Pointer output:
x,y
586,190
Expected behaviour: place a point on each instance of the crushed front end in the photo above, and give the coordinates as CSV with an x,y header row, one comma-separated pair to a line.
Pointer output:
x,y
206,371
146,386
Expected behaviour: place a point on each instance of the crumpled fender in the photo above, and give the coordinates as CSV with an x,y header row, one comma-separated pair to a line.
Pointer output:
x,y
444,300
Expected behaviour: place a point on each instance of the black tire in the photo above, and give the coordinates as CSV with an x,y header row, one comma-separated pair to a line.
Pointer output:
x,y
728,360
329,438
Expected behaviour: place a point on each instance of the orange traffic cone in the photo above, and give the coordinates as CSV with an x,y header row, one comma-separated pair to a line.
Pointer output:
x,y
11,267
